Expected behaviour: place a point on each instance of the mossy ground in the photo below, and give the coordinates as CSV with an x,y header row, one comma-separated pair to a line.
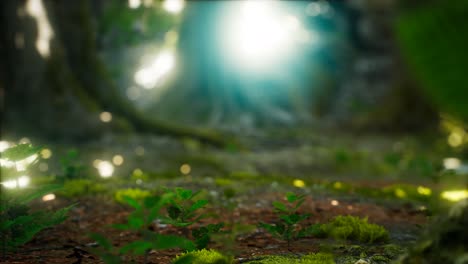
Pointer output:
x,y
386,180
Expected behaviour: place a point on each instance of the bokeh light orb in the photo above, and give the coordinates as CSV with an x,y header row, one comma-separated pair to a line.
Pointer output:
x,y
260,34
173,6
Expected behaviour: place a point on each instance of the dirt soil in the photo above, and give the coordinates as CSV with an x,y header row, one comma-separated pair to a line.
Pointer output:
x,y
69,242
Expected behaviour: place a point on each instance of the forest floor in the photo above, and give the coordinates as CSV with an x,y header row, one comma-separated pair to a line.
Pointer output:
x,y
379,178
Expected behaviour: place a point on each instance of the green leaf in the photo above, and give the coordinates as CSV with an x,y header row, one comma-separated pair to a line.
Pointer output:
x,y
274,230
20,152
298,204
101,240
184,193
280,206
135,221
132,202
137,247
174,212
197,205
59,216
151,201
172,241
291,197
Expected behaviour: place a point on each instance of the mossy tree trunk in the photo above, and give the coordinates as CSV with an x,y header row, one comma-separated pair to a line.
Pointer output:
x,y
63,94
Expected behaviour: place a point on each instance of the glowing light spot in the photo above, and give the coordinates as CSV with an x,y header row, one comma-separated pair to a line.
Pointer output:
x,y
149,77
4,145
185,169
140,151
455,139
46,153
105,117
451,163
35,8
173,6
292,23
48,197
337,185
23,181
133,4
424,190
43,167
139,181
117,160
137,172
23,164
11,184
334,203
259,34
96,163
106,169
25,140
454,195
7,163
299,183
400,193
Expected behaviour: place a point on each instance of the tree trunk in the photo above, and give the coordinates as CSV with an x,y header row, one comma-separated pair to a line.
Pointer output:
x,y
70,86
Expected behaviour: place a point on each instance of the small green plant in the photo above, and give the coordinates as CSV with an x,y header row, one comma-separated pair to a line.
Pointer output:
x,y
203,256
140,222
289,218
183,211
355,228
312,258
18,224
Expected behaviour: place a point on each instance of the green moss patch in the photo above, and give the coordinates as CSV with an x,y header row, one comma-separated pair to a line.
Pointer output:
x,y
134,193
312,258
355,228
74,188
203,257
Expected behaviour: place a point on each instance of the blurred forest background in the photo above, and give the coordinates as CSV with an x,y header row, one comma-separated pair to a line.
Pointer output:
x,y
360,104
78,71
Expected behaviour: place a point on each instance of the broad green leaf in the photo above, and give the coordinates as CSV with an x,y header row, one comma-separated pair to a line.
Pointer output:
x,y
184,193
291,197
137,247
135,222
280,206
132,202
198,204
151,201
172,241
299,203
101,240
174,212
20,152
